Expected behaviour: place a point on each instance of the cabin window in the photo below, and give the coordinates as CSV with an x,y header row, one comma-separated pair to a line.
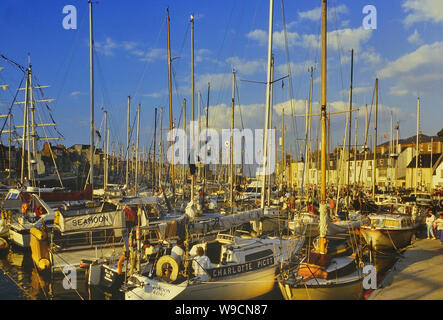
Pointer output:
x,y
258,255
13,196
391,223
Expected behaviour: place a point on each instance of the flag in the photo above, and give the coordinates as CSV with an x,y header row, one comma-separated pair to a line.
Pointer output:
x,y
282,83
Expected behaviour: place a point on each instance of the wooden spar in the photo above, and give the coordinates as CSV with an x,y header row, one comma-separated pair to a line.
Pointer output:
x,y
128,132
137,150
231,147
206,139
192,158
170,96
184,147
25,127
350,123
416,144
268,102
153,154
374,166
270,124
105,146
323,221
91,74
308,157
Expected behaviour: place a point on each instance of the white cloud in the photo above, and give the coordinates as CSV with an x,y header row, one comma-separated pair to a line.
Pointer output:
x,y
416,72
424,55
315,14
107,47
154,54
246,67
296,68
423,10
278,38
219,81
77,93
415,38
345,39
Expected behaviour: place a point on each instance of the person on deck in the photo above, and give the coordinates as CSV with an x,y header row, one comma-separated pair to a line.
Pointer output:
x,y
429,224
177,252
331,207
200,264
439,224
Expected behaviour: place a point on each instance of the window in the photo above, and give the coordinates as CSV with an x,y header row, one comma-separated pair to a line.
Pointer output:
x,y
430,147
441,174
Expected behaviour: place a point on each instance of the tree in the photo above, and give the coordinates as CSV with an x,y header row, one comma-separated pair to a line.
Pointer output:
x,y
440,133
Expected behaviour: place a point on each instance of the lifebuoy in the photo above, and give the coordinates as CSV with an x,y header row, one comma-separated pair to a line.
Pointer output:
x,y
167,266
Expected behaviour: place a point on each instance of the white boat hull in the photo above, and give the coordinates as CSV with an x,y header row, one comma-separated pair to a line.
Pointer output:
x,y
247,286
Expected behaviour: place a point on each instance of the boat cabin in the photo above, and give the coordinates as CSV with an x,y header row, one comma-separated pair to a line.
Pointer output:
x,y
391,221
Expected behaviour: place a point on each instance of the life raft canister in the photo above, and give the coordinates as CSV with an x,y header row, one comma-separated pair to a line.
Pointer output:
x,y
167,267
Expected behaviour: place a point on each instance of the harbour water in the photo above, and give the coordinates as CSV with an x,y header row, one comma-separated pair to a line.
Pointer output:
x,y
19,280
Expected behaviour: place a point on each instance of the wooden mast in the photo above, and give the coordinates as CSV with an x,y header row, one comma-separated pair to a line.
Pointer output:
x,y
153,154
91,74
192,158
374,167
350,124
323,217
268,102
128,132
137,150
416,145
231,146
170,97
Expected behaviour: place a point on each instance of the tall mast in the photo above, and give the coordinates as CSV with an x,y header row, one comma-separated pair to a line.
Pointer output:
x,y
128,132
270,125
184,145
33,131
153,155
350,122
105,150
91,80
170,96
416,145
192,103
308,119
355,152
231,146
268,101
25,127
137,149
206,139
374,167
323,221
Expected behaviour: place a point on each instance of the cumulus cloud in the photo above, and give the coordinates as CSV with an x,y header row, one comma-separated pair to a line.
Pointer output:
x,y
415,38
423,11
247,66
315,14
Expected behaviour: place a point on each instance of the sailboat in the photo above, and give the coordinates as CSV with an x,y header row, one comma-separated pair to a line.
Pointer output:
x,y
241,267
328,271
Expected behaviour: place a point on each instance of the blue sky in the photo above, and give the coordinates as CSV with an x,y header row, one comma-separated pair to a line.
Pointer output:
x,y
405,52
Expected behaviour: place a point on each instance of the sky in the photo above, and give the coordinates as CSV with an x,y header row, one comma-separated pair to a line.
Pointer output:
x,y
405,52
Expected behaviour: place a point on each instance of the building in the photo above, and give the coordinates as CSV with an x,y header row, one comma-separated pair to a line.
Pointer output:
x,y
420,173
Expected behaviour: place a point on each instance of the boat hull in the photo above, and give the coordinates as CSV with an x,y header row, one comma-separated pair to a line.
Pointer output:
x,y
247,286
20,238
345,290
387,240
